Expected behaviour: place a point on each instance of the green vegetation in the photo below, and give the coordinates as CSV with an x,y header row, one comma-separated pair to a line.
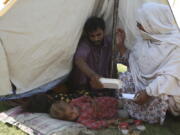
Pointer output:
x,y
10,130
7,129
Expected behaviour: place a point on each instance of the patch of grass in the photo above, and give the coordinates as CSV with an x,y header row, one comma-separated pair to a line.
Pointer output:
x,y
6,129
10,130
4,106
157,130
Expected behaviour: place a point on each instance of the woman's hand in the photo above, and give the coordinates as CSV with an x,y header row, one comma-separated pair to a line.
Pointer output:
x,y
95,83
120,37
141,97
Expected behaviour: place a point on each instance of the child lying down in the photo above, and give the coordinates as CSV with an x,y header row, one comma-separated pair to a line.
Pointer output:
x,y
94,113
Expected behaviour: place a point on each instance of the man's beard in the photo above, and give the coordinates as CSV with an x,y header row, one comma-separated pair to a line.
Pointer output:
x,y
97,42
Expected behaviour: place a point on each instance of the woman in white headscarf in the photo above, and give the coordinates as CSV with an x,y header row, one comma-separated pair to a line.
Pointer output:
x,y
154,64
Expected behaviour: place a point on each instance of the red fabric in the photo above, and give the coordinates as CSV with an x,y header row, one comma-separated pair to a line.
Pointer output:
x,y
95,119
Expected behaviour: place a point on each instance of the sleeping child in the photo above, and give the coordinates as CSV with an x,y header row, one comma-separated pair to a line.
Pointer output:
x,y
94,113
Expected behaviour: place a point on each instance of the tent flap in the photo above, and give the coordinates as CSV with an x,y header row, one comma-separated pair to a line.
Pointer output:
x,y
40,38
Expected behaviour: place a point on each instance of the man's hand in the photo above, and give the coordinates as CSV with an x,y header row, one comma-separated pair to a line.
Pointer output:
x,y
95,83
141,97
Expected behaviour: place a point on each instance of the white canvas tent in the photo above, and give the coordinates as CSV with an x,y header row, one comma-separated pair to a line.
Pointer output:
x,y
39,38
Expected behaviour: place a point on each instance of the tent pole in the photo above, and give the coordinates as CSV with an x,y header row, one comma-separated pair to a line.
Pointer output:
x,y
113,71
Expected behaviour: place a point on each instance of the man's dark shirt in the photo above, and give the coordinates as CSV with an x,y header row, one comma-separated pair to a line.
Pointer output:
x,y
97,57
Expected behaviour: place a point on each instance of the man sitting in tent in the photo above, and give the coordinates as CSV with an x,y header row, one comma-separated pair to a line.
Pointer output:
x,y
93,56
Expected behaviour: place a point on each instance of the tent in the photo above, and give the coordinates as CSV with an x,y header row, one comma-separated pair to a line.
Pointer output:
x,y
38,39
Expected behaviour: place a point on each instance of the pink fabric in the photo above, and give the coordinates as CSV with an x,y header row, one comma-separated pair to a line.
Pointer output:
x,y
106,109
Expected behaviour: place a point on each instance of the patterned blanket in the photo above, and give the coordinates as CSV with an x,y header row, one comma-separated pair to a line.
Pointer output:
x,y
41,123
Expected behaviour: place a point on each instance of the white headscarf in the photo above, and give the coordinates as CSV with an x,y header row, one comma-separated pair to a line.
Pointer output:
x,y
158,54
159,23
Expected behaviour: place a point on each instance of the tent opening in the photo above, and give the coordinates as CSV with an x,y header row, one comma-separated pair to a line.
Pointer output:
x,y
38,47
5,5
175,6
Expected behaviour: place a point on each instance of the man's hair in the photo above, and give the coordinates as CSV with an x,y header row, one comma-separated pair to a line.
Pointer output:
x,y
58,110
40,103
93,23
